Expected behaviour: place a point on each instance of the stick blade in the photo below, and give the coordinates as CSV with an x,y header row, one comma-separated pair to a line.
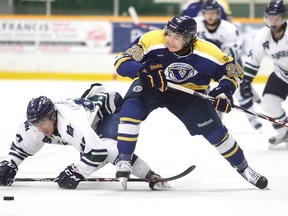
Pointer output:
x,y
180,175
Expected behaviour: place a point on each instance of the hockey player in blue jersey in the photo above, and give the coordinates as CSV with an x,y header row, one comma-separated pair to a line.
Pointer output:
x,y
176,55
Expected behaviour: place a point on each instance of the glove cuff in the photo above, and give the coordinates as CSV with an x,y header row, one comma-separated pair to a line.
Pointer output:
x,y
248,79
227,87
14,165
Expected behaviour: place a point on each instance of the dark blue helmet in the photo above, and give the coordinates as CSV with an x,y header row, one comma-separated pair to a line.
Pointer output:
x,y
211,5
275,7
183,25
39,108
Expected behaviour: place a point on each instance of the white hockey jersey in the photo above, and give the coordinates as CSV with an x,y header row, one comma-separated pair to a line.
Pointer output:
x,y
264,45
76,121
226,37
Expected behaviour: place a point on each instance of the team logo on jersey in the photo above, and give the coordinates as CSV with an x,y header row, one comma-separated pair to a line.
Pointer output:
x,y
266,45
70,130
179,71
137,88
226,58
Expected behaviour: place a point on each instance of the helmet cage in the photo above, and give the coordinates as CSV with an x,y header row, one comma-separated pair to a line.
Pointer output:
x,y
275,14
274,21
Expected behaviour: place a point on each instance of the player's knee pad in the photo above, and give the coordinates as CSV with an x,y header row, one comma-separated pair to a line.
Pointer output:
x,y
217,135
133,108
128,132
246,103
132,113
271,105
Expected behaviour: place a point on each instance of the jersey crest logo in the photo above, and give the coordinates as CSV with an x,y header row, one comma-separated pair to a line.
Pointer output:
x,y
70,130
179,72
19,138
266,45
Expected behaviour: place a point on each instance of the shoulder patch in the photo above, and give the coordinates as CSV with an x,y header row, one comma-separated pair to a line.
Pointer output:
x,y
152,40
211,52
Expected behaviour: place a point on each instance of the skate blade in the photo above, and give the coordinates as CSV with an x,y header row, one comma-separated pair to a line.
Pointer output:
x,y
123,181
279,147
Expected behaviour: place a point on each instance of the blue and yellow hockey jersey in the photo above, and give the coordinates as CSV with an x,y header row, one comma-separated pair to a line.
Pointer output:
x,y
195,70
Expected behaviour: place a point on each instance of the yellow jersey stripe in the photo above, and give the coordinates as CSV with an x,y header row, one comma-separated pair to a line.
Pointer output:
x,y
211,52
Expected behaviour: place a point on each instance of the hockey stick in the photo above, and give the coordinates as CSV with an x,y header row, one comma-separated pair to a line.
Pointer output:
x,y
134,15
180,175
208,97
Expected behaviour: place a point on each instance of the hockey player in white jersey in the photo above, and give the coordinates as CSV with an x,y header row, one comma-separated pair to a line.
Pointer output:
x,y
272,41
76,122
224,35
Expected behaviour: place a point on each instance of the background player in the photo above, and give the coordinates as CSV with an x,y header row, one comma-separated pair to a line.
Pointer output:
x,y
270,41
193,9
224,35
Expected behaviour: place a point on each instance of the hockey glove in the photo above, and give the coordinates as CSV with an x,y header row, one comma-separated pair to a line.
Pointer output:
x,y
7,172
223,99
232,51
69,178
245,87
153,73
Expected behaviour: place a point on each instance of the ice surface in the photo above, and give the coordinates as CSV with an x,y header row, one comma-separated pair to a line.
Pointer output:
x,y
213,188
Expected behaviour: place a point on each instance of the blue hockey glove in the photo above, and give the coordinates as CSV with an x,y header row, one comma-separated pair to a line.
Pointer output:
x,y
246,88
154,74
69,178
224,99
7,172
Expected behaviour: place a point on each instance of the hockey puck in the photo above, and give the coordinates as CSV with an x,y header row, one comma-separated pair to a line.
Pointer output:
x,y
8,197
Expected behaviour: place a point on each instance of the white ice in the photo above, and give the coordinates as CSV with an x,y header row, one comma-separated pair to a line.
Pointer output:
x,y
213,188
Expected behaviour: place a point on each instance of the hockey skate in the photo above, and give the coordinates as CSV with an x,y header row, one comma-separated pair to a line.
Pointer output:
x,y
154,182
279,141
254,177
123,171
257,125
